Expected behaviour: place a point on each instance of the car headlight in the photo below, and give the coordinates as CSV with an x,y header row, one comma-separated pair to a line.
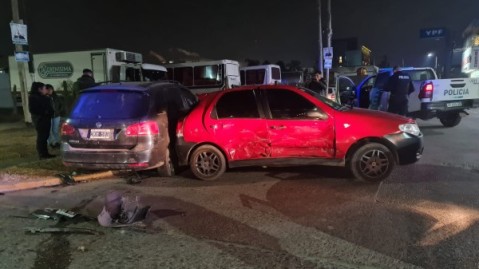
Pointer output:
x,y
410,128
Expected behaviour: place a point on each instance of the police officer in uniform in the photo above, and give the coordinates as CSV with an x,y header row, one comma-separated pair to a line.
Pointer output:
x,y
400,86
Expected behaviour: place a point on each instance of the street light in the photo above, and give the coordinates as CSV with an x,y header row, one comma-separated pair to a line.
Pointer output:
x,y
431,54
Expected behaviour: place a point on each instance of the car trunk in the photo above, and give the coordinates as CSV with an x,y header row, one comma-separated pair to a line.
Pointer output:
x,y
103,119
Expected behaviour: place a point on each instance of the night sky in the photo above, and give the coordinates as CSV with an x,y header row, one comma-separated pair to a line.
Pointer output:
x,y
234,29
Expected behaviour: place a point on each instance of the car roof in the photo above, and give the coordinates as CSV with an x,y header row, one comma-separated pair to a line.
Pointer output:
x,y
130,86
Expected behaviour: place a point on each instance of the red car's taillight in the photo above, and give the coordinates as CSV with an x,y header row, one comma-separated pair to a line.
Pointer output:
x,y
426,90
142,129
67,129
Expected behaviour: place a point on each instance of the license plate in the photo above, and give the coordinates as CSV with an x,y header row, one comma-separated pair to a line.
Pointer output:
x,y
454,104
101,134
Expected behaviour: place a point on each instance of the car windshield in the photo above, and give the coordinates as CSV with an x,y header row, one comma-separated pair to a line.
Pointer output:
x,y
110,104
323,99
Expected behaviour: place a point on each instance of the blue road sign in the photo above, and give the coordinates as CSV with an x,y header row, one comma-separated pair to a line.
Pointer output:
x,y
438,32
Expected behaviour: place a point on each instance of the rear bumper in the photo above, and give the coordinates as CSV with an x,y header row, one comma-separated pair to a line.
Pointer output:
x,y
100,159
409,148
433,109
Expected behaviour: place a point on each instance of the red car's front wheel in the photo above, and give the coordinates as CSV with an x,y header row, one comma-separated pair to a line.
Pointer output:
x,y
207,163
372,162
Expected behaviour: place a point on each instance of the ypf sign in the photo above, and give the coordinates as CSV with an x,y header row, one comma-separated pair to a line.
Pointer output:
x,y
438,32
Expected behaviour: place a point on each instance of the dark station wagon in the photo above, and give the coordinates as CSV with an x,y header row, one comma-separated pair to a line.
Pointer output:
x,y
125,126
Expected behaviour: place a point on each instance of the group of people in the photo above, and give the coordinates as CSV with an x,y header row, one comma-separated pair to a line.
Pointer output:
x,y
47,108
399,85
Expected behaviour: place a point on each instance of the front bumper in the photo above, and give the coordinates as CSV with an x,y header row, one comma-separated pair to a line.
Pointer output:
x,y
408,147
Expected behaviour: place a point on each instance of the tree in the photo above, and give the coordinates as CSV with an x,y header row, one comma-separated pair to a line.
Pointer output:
x,y
294,65
252,62
282,65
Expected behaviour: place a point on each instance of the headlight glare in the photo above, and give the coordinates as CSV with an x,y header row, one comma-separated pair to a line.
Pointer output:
x,y
410,128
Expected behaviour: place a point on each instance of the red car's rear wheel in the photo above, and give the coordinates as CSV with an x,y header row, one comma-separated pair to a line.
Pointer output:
x,y
207,163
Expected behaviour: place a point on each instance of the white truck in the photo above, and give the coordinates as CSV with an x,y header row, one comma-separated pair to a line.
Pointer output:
x,y
107,65
205,76
260,74
447,99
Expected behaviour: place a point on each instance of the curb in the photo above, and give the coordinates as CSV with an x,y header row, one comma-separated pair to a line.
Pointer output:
x,y
51,181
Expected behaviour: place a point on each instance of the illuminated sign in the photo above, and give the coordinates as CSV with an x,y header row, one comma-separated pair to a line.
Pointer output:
x,y
438,32
55,70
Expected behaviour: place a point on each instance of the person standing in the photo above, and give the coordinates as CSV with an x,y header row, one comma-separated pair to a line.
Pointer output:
x,y
40,106
318,85
400,86
84,82
58,112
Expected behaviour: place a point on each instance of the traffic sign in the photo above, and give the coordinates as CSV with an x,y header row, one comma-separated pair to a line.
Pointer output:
x,y
328,53
328,63
19,33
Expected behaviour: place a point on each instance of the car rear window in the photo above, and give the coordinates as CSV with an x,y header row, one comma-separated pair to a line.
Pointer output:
x,y
110,104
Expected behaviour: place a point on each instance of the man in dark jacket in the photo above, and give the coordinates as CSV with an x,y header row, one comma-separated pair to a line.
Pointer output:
x,y
400,85
84,82
40,106
317,84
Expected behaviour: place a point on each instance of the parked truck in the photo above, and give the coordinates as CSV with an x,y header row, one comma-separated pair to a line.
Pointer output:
x,y
107,65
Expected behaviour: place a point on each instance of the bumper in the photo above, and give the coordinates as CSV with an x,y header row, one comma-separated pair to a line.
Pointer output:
x,y
433,109
409,148
102,159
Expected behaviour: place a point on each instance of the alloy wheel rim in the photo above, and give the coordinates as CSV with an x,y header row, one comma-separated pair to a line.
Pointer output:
x,y
374,163
208,163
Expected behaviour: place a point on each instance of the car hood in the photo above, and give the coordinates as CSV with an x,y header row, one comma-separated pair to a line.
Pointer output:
x,y
369,122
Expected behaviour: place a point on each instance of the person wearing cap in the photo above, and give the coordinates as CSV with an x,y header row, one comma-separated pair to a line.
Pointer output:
x,y
84,82
40,106
400,86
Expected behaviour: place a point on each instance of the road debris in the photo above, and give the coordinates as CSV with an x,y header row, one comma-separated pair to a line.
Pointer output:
x,y
33,230
121,211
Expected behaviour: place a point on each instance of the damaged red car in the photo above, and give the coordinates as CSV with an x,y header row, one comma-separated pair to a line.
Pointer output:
x,y
278,125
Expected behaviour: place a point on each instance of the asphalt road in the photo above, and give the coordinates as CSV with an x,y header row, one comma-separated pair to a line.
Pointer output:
x,y
424,216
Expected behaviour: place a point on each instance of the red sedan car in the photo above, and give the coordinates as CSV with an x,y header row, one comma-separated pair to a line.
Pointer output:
x,y
284,125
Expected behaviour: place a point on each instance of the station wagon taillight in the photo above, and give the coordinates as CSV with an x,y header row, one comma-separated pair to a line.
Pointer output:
x,y
142,129
426,90
67,129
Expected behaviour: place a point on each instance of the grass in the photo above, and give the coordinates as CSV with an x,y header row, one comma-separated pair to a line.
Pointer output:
x,y
18,154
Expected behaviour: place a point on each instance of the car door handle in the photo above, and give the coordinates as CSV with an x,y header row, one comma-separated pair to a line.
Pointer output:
x,y
277,127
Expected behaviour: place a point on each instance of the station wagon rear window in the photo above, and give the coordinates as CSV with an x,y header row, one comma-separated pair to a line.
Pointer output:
x,y
110,104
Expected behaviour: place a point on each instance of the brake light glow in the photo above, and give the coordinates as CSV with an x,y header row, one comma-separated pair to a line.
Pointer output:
x,y
67,129
426,90
142,129
138,165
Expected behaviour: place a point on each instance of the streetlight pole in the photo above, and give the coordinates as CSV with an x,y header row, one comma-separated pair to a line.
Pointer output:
x,y
330,34
21,68
320,39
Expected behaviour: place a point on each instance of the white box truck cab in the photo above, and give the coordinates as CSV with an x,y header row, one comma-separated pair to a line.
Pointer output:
x,y
207,76
260,74
107,65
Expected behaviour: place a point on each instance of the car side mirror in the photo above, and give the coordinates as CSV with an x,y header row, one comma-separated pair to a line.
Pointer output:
x,y
314,114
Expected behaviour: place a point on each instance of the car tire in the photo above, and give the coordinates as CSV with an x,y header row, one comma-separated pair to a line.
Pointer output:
x,y
207,163
168,168
450,119
372,162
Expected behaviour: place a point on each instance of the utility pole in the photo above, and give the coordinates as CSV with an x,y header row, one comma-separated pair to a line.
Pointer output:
x,y
330,35
21,68
320,39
